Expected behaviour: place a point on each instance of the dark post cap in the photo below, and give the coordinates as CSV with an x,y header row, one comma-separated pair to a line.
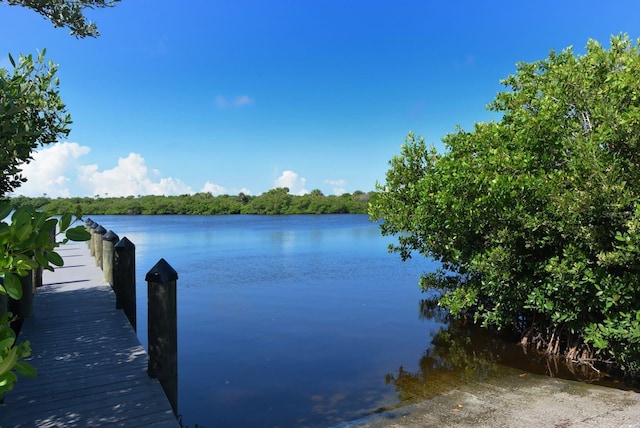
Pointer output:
x,y
101,230
124,244
89,222
110,236
162,272
94,225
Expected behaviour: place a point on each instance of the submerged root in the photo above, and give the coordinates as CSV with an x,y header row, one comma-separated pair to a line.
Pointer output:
x,y
558,346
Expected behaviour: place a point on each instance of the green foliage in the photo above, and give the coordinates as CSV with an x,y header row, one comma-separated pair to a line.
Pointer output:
x,y
275,201
66,13
27,242
534,216
31,114
11,356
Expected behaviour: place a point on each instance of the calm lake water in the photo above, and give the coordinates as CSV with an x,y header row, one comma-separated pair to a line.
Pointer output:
x,y
290,321
283,320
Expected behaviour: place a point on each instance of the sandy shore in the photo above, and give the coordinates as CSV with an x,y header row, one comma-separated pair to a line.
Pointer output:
x,y
517,400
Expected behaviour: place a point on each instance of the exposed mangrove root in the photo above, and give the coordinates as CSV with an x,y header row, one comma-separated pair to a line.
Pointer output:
x,y
562,348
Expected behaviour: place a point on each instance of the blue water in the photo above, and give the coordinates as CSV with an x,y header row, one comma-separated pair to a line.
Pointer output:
x,y
282,320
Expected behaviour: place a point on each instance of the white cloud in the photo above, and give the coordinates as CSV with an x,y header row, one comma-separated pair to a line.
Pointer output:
x,y
293,181
237,101
56,171
337,186
214,189
242,100
130,177
52,170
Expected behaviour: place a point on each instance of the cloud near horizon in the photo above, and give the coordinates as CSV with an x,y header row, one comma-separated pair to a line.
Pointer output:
x,y
52,170
130,178
293,181
214,189
337,186
57,172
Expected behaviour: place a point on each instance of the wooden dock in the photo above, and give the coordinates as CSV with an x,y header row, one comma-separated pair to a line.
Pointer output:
x,y
91,366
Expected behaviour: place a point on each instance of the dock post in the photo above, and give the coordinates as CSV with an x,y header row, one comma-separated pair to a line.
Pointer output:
x,y
88,225
100,231
124,278
92,241
109,240
163,329
37,277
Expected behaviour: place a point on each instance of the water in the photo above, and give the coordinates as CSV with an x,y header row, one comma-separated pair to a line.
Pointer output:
x,y
284,320
290,321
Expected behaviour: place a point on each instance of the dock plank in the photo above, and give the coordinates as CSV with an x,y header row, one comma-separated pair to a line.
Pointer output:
x,y
91,366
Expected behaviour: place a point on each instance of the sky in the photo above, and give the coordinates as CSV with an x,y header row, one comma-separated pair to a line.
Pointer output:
x,y
227,96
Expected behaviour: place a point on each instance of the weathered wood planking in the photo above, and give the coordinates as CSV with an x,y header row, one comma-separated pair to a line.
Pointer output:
x,y
91,366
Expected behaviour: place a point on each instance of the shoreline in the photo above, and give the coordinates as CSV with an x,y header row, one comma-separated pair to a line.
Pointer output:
x,y
516,399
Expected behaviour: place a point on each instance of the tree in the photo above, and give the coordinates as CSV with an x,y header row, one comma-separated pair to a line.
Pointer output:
x,y
536,217
31,115
66,13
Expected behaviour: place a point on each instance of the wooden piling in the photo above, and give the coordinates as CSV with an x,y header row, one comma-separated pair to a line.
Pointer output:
x,y
88,225
100,231
109,240
163,329
92,241
124,278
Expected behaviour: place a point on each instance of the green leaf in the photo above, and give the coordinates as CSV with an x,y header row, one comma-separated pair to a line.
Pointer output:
x,y
41,259
25,369
23,232
6,382
54,258
78,233
5,210
13,286
9,361
65,221
6,343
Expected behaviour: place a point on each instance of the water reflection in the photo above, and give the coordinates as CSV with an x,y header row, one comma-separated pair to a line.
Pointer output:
x,y
462,352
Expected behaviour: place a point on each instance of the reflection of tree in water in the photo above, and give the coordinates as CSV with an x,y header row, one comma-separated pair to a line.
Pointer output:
x,y
462,352
452,359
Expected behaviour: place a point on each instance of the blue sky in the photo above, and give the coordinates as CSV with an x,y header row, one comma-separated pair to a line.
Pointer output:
x,y
184,96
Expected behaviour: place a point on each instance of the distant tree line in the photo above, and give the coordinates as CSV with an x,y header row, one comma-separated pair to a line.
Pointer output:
x,y
274,201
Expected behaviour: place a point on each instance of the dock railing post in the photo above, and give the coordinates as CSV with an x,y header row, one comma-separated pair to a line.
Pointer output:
x,y
163,329
100,231
109,240
88,226
37,277
124,278
92,241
